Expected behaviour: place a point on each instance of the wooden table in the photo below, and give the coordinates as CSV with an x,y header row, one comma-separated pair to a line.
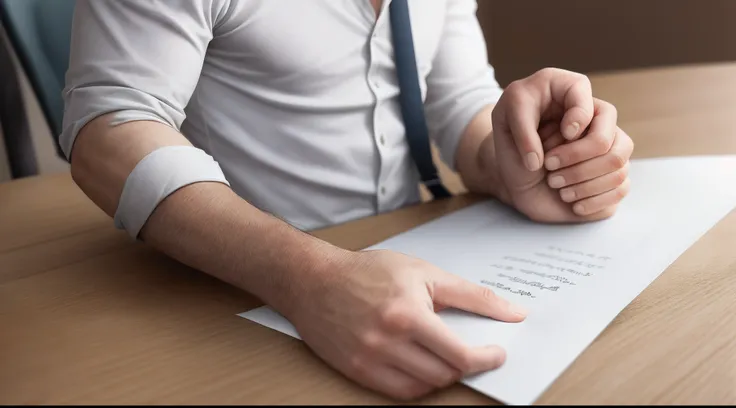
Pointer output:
x,y
87,316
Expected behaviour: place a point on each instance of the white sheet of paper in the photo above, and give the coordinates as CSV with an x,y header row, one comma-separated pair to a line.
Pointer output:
x,y
574,279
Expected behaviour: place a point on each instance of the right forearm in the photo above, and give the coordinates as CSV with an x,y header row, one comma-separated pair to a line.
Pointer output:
x,y
210,228
204,225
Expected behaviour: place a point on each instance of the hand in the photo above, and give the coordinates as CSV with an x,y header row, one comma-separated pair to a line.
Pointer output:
x,y
376,323
559,152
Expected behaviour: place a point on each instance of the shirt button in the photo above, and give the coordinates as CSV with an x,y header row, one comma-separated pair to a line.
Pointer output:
x,y
383,190
376,85
382,140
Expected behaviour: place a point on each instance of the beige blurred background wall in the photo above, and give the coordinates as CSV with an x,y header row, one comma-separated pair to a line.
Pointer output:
x,y
582,35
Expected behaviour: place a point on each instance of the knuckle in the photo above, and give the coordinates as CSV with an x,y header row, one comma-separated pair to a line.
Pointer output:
x,y
611,108
443,379
617,160
548,72
396,318
582,79
628,141
370,341
620,194
625,169
605,107
515,93
620,176
601,144
621,191
464,362
358,364
514,87
487,293
450,377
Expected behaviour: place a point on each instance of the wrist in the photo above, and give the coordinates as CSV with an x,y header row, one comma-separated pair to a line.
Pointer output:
x,y
309,267
481,173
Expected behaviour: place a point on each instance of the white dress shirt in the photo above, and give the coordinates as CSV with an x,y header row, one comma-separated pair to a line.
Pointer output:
x,y
295,99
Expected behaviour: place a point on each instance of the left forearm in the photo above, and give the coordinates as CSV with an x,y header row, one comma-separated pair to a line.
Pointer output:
x,y
476,157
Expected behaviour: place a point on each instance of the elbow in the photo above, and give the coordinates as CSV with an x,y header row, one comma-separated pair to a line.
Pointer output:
x,y
78,157
79,147
91,168
81,168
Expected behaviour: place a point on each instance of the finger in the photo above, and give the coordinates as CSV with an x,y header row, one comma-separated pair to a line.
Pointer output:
x,y
519,116
576,95
551,136
392,382
454,291
596,142
418,362
614,160
602,201
600,215
436,337
596,186
550,143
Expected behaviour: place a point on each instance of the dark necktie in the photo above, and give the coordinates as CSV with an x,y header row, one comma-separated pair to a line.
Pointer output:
x,y
410,97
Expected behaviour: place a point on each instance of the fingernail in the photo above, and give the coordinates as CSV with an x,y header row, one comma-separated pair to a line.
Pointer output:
x,y
571,130
501,359
556,181
553,163
579,208
495,355
567,195
518,310
532,161
499,355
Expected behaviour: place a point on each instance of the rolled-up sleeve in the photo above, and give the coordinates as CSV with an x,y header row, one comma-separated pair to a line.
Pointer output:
x,y
461,81
138,58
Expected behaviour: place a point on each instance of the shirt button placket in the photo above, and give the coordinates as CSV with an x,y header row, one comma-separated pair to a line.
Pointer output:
x,y
379,136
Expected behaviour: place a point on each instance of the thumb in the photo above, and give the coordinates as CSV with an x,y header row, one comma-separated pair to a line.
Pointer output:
x,y
453,291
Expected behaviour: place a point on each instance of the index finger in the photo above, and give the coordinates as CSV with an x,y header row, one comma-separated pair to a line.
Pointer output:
x,y
435,336
597,142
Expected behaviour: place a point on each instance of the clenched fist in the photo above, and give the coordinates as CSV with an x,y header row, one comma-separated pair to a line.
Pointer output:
x,y
560,155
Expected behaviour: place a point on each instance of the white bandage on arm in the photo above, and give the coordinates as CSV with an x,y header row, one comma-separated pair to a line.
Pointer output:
x,y
158,175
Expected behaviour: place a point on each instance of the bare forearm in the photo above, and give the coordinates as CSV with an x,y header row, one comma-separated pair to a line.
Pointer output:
x,y
204,225
476,157
210,228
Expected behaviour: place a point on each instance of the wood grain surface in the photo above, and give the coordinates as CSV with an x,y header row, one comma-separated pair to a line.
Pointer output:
x,y
87,316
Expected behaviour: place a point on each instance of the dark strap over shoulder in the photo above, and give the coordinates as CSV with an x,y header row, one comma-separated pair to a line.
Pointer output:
x,y
412,106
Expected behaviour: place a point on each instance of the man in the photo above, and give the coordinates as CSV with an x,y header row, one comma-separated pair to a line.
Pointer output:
x,y
217,130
